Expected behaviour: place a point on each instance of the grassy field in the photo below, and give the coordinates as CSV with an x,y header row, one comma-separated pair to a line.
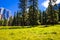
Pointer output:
x,y
34,33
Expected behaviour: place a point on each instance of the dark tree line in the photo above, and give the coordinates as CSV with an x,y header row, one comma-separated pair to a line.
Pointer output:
x,y
29,14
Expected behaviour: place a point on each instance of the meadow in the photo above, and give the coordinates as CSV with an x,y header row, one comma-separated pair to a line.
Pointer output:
x,y
33,33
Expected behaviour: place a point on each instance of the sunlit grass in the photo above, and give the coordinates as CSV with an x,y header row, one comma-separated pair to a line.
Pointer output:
x,y
34,33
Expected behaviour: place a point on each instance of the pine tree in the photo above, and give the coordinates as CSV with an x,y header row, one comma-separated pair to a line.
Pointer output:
x,y
33,12
59,13
44,17
14,20
40,16
1,22
23,7
52,15
10,21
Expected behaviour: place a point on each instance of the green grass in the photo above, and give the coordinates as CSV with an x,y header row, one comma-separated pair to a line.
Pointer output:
x,y
34,33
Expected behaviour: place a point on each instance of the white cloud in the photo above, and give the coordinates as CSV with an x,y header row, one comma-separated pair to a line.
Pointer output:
x,y
58,1
45,3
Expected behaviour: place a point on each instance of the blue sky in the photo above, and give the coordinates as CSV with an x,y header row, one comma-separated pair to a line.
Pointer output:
x,y
12,5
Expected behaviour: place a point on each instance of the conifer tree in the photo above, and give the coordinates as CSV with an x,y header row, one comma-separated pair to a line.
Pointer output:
x,y
52,16
33,12
23,7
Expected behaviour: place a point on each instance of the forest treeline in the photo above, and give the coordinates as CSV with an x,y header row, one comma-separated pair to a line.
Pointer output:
x,y
30,14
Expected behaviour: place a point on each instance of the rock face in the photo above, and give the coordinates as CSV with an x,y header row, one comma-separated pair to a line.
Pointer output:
x,y
4,13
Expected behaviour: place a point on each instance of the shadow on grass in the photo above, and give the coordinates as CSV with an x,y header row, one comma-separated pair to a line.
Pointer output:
x,y
14,27
49,39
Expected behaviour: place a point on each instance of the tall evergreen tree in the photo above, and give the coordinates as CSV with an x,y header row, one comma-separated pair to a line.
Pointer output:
x,y
44,17
33,12
51,13
10,21
23,7
40,16
14,20
59,12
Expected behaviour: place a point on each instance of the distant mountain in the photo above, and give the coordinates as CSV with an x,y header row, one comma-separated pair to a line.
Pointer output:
x,y
5,13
